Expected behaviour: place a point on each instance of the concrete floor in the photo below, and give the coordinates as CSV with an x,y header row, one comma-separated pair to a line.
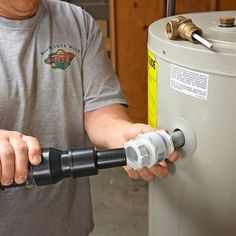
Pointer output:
x,y
119,203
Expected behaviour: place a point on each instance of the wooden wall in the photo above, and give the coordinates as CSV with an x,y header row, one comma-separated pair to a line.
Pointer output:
x,y
184,6
132,18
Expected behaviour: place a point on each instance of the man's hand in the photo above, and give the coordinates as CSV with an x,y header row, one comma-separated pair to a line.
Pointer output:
x,y
159,170
111,126
16,151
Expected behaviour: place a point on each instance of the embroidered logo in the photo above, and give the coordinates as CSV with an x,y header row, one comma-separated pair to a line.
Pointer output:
x,y
59,59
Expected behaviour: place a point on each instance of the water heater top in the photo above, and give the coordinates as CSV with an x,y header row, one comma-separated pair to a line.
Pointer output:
x,y
221,58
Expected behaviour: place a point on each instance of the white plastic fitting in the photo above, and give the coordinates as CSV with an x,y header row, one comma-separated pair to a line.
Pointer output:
x,y
148,149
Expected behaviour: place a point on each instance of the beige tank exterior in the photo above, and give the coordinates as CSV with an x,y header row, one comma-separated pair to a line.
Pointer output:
x,y
196,93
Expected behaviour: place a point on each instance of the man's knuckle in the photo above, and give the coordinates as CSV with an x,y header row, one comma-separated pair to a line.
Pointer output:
x,y
164,174
27,137
7,151
33,139
20,147
134,176
148,178
16,134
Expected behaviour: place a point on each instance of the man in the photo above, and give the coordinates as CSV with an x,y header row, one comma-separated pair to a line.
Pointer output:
x,y
56,84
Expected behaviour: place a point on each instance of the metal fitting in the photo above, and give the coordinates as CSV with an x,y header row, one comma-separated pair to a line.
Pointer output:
x,y
227,21
182,28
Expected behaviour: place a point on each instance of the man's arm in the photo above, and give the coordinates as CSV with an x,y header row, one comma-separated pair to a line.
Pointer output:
x,y
111,126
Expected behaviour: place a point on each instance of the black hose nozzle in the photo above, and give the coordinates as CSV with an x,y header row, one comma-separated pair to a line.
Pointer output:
x,y
57,164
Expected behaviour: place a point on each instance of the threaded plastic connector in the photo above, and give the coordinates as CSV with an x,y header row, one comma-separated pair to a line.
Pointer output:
x,y
148,149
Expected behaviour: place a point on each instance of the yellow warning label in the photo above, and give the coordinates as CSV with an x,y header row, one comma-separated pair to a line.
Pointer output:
x,y
152,89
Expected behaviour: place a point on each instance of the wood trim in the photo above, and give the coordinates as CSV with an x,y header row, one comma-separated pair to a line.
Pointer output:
x,y
112,31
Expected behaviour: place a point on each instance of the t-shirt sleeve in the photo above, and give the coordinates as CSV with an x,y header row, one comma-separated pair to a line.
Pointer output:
x,y
100,84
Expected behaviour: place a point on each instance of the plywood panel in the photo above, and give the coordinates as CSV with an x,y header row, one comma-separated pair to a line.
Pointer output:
x,y
225,5
185,6
132,19
188,6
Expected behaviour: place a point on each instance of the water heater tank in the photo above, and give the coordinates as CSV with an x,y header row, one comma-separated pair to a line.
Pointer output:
x,y
193,88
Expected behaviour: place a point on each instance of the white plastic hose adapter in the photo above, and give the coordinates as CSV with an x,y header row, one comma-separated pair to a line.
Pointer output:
x,y
148,149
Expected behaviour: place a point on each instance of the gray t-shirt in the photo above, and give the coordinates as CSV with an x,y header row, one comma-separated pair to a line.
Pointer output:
x,y
52,69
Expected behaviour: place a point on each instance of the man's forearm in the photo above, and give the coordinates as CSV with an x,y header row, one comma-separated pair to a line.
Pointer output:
x,y
106,126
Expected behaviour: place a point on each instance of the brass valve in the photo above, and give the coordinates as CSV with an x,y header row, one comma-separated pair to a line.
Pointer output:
x,y
183,28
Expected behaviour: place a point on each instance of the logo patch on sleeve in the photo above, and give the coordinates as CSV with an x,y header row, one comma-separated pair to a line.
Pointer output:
x,y
59,59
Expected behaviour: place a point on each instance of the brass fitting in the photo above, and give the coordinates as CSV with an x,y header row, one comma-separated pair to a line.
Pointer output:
x,y
182,28
227,21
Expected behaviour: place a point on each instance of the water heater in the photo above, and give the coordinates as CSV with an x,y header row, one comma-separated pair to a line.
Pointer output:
x,y
193,88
